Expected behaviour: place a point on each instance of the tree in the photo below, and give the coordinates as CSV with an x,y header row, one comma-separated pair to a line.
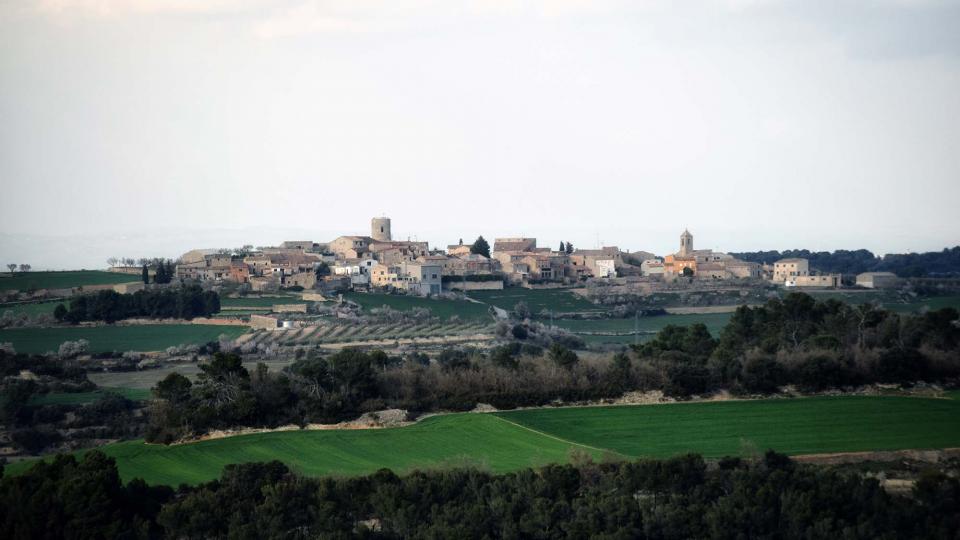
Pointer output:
x,y
480,247
112,261
59,312
323,269
12,267
24,267
562,356
563,247
521,311
687,271
145,274
461,242
569,247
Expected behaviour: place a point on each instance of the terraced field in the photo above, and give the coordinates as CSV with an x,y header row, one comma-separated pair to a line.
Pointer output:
x,y
153,337
356,332
443,309
23,281
516,439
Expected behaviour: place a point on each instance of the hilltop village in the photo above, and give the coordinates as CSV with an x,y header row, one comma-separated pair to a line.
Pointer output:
x,y
379,261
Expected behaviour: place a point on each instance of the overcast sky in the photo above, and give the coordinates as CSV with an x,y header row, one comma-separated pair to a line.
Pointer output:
x,y
148,127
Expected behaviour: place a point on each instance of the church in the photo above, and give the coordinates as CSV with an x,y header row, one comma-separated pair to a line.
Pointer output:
x,y
705,263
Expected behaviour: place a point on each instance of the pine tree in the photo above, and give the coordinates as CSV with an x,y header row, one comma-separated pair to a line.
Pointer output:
x,y
145,275
563,248
569,248
480,247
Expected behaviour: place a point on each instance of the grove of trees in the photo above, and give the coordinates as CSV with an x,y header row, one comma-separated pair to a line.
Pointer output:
x,y
683,497
944,263
110,306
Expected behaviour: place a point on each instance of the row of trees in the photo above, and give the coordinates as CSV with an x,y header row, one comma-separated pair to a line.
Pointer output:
x,y
23,267
109,306
683,497
930,264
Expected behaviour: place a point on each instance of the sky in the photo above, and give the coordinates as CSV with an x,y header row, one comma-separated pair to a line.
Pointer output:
x,y
141,128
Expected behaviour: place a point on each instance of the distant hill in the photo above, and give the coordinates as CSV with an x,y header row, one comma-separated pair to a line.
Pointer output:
x,y
944,263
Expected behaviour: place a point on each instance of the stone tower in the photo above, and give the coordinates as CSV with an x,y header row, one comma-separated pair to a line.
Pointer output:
x,y
380,229
686,243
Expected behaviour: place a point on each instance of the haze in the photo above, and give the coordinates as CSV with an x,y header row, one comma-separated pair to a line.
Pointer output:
x,y
147,128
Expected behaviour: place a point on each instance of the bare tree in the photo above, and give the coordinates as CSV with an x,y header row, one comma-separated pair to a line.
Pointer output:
x,y
112,261
24,267
12,267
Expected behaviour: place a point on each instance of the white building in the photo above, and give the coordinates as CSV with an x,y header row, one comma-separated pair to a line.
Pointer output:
x,y
789,269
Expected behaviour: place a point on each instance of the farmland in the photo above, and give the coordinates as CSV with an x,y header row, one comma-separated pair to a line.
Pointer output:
x,y
793,426
462,439
647,326
23,281
258,301
512,440
538,300
116,338
353,332
32,309
441,308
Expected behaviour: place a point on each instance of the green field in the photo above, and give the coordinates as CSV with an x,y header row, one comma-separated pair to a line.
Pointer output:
x,y
516,439
116,338
475,439
23,281
792,426
556,300
647,326
259,301
78,398
441,308
33,309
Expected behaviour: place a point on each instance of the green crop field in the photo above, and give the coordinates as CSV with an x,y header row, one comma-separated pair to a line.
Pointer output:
x,y
516,439
77,398
259,301
792,426
443,309
648,326
116,338
475,439
556,300
23,281
33,309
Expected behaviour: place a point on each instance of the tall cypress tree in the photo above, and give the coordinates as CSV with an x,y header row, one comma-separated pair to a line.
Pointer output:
x,y
145,275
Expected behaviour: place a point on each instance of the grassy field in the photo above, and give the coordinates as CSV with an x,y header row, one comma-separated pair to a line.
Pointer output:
x,y
23,281
516,439
443,309
556,300
648,326
116,338
77,398
33,309
475,439
258,301
792,426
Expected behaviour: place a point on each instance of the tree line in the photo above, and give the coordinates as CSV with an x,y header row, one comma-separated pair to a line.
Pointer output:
x,y
683,497
944,263
110,306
